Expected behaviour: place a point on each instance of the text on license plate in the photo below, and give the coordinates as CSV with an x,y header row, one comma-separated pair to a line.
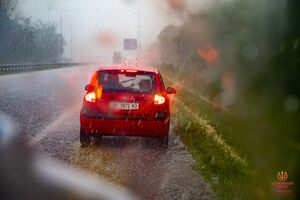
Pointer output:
x,y
124,106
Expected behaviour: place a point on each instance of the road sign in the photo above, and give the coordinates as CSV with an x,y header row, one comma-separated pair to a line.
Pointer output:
x,y
130,44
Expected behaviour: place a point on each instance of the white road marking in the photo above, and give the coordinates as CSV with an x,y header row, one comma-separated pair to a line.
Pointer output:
x,y
15,89
51,127
212,132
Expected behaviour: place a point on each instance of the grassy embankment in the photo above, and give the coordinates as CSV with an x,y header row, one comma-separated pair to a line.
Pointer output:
x,y
209,136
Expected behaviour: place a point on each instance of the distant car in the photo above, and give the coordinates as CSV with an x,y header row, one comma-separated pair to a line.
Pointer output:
x,y
126,101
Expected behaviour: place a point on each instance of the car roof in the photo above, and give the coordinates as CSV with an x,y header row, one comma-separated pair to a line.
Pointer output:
x,y
137,68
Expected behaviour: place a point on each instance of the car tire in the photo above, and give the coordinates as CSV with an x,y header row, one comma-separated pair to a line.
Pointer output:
x,y
164,141
85,139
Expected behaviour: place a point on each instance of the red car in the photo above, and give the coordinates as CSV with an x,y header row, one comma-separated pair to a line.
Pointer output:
x,y
126,101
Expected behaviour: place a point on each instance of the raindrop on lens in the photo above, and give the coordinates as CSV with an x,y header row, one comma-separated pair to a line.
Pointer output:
x,y
250,51
291,104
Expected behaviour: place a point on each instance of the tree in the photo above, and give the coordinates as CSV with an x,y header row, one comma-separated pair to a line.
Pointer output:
x,y
21,41
167,45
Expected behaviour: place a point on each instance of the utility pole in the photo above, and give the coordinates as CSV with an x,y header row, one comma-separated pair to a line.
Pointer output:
x,y
61,40
71,42
139,32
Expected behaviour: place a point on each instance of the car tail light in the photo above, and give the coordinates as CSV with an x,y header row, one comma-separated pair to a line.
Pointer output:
x,y
93,96
90,97
158,99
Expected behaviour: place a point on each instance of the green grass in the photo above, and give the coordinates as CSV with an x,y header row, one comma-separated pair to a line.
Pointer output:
x,y
209,136
227,176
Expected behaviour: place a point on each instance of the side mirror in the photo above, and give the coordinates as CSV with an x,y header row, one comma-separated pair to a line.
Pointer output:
x,y
89,87
171,90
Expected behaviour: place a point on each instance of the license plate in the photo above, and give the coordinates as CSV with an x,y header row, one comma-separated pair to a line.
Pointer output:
x,y
124,106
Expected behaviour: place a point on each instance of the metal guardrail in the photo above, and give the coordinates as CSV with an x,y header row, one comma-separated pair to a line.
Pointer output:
x,y
10,68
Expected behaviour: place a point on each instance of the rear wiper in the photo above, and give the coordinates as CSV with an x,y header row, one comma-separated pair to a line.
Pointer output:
x,y
127,80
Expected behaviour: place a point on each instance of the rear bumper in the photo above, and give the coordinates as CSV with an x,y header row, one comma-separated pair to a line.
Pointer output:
x,y
118,127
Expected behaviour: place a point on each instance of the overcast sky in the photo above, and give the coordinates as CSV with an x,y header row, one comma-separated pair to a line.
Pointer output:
x,y
91,20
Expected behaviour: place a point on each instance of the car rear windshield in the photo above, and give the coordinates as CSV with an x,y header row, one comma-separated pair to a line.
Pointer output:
x,y
127,81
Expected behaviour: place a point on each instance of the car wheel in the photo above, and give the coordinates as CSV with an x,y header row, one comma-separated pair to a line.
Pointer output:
x,y
164,141
85,139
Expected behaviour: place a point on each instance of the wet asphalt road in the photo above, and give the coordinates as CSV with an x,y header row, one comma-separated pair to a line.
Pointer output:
x,y
46,107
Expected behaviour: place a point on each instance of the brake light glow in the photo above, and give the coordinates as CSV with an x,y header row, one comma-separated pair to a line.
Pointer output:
x,y
158,99
93,96
131,71
90,97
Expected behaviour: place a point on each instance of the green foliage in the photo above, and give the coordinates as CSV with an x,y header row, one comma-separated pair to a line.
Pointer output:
x,y
202,128
259,43
24,42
